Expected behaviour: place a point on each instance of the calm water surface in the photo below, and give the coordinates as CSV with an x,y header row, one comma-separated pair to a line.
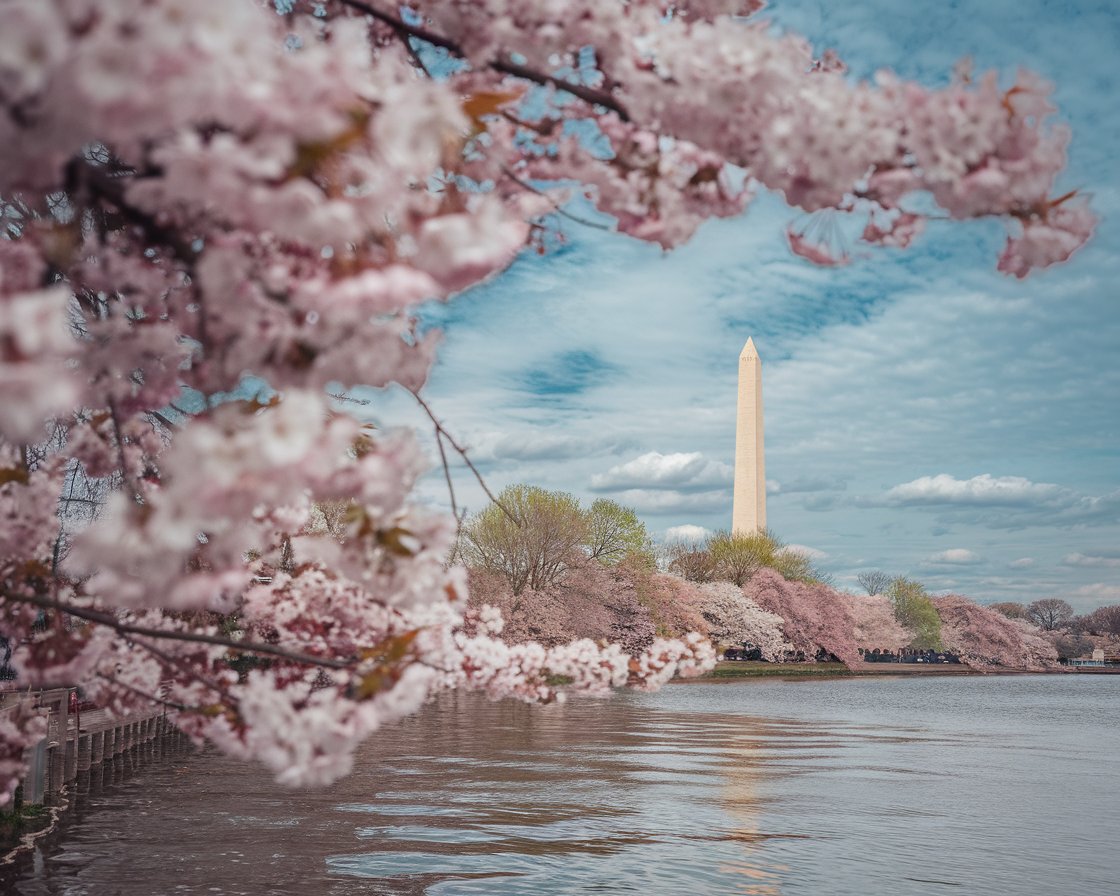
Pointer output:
x,y
1006,785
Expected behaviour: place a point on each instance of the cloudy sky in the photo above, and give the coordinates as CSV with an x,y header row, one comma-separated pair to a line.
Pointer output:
x,y
924,414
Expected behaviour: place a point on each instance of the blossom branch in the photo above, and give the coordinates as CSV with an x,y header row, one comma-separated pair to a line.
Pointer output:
x,y
507,66
162,701
127,628
179,664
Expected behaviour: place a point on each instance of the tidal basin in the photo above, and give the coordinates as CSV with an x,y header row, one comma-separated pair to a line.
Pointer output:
x,y
925,785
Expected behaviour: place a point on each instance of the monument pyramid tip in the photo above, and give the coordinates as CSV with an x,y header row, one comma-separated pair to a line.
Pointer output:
x,y
749,349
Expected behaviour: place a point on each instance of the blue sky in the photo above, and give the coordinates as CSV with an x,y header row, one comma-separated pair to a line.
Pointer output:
x,y
925,415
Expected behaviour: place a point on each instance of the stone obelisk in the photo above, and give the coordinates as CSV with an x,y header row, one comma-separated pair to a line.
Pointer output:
x,y
748,513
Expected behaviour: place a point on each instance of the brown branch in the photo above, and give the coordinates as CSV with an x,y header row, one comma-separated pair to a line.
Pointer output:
x,y
177,662
580,91
447,476
126,628
109,189
133,486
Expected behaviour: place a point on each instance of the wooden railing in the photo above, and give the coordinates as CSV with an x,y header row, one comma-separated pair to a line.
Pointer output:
x,y
76,741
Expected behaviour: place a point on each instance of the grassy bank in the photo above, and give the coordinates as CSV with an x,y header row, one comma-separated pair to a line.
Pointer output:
x,y
732,671
748,669
15,823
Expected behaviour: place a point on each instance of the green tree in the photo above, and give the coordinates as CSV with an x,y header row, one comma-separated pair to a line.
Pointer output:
x,y
914,610
736,557
615,532
531,536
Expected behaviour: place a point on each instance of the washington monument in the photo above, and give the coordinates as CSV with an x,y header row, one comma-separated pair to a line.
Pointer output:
x,y
748,512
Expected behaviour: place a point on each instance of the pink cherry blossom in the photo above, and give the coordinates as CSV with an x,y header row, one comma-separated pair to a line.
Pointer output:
x,y
814,620
876,627
1049,239
734,619
986,639
899,230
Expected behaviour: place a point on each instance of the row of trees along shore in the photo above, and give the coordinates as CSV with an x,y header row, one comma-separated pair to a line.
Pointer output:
x,y
1073,635
216,215
557,570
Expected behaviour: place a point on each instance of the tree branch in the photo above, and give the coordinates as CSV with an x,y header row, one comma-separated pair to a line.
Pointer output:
x,y
127,628
108,188
580,91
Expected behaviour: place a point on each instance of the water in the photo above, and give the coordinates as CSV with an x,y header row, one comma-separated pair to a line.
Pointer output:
x,y
851,786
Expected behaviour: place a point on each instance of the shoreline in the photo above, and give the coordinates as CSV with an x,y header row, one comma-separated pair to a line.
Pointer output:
x,y
739,670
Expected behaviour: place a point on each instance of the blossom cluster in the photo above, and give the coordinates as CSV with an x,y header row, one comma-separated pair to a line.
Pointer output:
x,y
734,619
985,638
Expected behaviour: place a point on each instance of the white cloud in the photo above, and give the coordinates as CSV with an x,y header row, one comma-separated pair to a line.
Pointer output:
x,y
1096,594
1106,559
811,484
1003,502
1022,563
953,557
984,490
536,444
668,501
687,533
805,551
654,470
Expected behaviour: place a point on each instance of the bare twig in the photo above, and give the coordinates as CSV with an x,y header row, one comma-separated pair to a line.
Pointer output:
x,y
462,452
447,476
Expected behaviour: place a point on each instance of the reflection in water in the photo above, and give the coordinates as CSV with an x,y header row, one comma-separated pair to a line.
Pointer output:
x,y
840,787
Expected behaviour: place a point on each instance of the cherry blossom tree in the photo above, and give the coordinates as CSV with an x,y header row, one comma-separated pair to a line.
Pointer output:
x,y
1070,644
734,619
592,601
985,638
876,626
216,216
672,600
816,619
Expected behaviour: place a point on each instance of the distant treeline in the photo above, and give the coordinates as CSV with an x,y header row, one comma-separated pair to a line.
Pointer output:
x,y
559,571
